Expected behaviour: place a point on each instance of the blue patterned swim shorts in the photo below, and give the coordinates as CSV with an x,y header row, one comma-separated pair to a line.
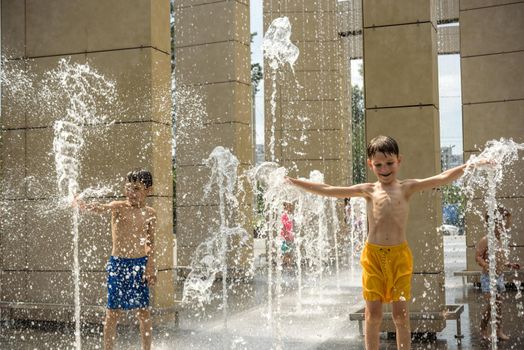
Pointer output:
x,y
125,288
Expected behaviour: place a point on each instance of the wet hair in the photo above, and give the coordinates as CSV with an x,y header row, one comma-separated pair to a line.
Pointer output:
x,y
382,144
140,175
500,213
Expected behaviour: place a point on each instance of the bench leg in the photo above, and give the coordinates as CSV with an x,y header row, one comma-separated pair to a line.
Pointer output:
x,y
360,329
459,335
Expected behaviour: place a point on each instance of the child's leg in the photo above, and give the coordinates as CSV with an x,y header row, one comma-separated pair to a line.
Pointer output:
x,y
146,327
110,328
402,324
373,322
500,334
486,317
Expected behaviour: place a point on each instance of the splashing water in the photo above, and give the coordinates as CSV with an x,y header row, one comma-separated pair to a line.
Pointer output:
x,y
502,154
357,221
278,51
211,256
190,113
83,91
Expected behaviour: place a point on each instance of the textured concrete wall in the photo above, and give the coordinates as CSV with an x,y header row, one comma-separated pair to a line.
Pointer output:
x,y
213,60
312,106
401,92
129,43
492,52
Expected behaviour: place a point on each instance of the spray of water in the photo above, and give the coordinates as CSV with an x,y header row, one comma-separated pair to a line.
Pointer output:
x,y
84,93
279,51
501,154
212,256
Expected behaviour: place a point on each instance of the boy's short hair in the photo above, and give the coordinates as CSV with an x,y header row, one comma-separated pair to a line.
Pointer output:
x,y
500,212
140,175
382,144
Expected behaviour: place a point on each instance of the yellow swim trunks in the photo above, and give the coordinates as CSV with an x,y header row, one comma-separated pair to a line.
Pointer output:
x,y
386,272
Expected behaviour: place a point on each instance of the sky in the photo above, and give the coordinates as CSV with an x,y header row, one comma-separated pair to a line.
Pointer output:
x,y
450,103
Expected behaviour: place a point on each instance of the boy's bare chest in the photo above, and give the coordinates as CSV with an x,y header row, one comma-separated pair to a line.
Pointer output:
x,y
130,221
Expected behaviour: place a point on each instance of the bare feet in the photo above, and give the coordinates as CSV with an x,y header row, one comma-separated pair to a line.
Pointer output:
x,y
502,336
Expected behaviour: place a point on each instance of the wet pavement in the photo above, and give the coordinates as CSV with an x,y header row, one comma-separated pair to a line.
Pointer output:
x,y
316,319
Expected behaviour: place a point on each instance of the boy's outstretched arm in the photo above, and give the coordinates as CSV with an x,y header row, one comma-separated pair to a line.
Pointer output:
x,y
360,190
93,206
443,178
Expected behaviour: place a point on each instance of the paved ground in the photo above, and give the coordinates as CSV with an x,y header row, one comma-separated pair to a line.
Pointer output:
x,y
318,319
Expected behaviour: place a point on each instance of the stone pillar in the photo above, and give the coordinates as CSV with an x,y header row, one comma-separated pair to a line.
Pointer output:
x,y
492,52
312,109
127,42
401,98
212,62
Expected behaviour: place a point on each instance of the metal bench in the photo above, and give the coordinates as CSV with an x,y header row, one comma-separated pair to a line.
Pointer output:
x,y
451,312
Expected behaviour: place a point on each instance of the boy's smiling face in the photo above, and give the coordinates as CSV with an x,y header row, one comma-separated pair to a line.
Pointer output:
x,y
136,192
385,166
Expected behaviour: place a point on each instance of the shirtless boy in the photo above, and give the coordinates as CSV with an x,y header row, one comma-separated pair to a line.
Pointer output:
x,y
131,267
387,262
502,219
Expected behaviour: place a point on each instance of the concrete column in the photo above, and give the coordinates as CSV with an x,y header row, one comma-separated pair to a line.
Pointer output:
x,y
312,113
212,61
492,52
401,98
129,43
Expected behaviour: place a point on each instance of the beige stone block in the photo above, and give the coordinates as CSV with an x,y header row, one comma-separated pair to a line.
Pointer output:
x,y
186,3
95,243
140,24
409,76
510,186
13,239
427,296
471,263
13,28
230,22
313,85
108,157
56,27
42,287
13,285
93,288
142,82
508,123
384,12
422,233
234,136
219,103
476,226
421,151
311,144
475,4
49,237
13,164
164,233
40,166
300,6
213,63
311,115
501,33
42,111
321,55
492,78
160,25
16,92
163,292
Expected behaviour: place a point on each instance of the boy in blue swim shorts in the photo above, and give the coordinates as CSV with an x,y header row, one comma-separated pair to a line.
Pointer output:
x,y
502,221
131,267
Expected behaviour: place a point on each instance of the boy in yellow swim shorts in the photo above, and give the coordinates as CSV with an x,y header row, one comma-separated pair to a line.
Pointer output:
x,y
386,259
